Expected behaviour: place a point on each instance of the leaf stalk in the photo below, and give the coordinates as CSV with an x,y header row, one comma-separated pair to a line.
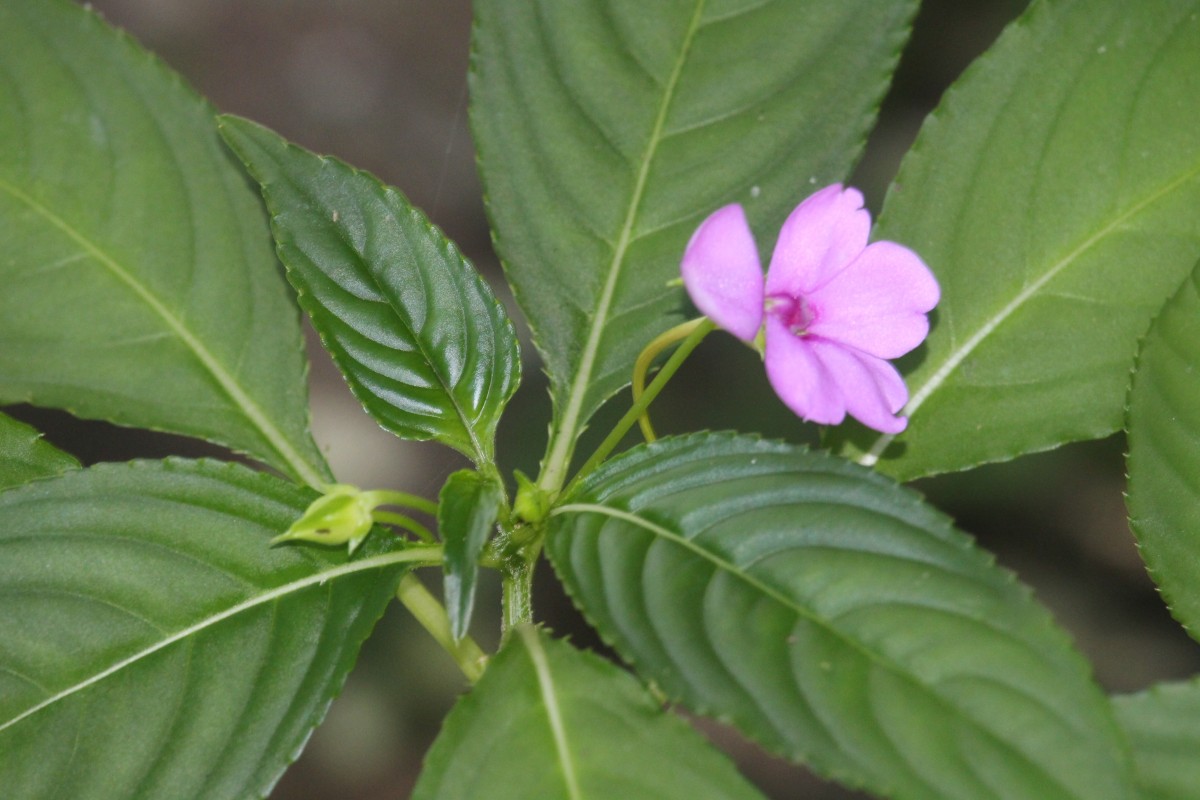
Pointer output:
x,y
432,616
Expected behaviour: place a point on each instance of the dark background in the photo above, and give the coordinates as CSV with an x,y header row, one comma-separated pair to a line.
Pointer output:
x,y
382,85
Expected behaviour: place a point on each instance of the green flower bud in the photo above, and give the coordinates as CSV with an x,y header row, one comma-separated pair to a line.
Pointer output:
x,y
532,504
340,516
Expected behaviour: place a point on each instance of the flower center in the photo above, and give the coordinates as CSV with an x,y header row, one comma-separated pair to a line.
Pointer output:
x,y
794,312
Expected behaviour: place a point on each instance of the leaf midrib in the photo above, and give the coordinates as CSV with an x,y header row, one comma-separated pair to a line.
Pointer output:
x,y
561,448
480,453
800,611
405,215
241,399
550,702
416,553
956,357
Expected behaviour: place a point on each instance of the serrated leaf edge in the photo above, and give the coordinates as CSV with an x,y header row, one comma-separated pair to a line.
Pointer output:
x,y
1045,620
480,452
417,554
1136,522
872,456
314,474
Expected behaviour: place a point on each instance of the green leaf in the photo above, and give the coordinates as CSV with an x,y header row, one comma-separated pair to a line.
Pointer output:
x,y
1163,726
24,457
1055,194
608,130
420,338
549,721
834,617
468,506
139,284
154,646
1164,453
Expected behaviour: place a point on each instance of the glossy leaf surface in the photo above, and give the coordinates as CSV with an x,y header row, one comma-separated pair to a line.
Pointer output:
x,y
1164,453
423,343
1163,726
608,129
468,506
836,618
155,646
1054,195
139,284
25,456
549,721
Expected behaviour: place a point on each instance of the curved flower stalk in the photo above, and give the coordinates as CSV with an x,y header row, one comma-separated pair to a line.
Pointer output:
x,y
830,311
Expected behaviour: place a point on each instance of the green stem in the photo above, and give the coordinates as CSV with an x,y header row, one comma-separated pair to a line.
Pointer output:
x,y
517,568
518,590
703,327
646,359
407,523
387,497
432,615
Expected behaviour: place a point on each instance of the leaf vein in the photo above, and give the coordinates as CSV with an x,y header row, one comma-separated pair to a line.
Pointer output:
x,y
208,361
563,441
996,320
416,553
553,713
785,602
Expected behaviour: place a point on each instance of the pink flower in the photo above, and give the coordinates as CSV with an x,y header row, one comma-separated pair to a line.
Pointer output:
x,y
832,309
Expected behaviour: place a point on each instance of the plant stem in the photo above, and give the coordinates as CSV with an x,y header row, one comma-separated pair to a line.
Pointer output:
x,y
517,568
518,590
387,497
407,523
703,327
646,359
432,615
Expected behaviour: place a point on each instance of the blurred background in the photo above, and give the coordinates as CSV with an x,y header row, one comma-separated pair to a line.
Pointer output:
x,y
382,85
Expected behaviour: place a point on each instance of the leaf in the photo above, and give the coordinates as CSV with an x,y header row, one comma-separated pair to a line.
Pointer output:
x,y
607,131
139,286
1054,194
154,646
468,506
1163,726
837,619
1164,453
423,343
25,457
549,721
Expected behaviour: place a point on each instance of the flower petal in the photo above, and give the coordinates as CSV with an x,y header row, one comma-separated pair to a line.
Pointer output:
x,y
878,303
820,238
822,381
722,273
801,379
873,389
